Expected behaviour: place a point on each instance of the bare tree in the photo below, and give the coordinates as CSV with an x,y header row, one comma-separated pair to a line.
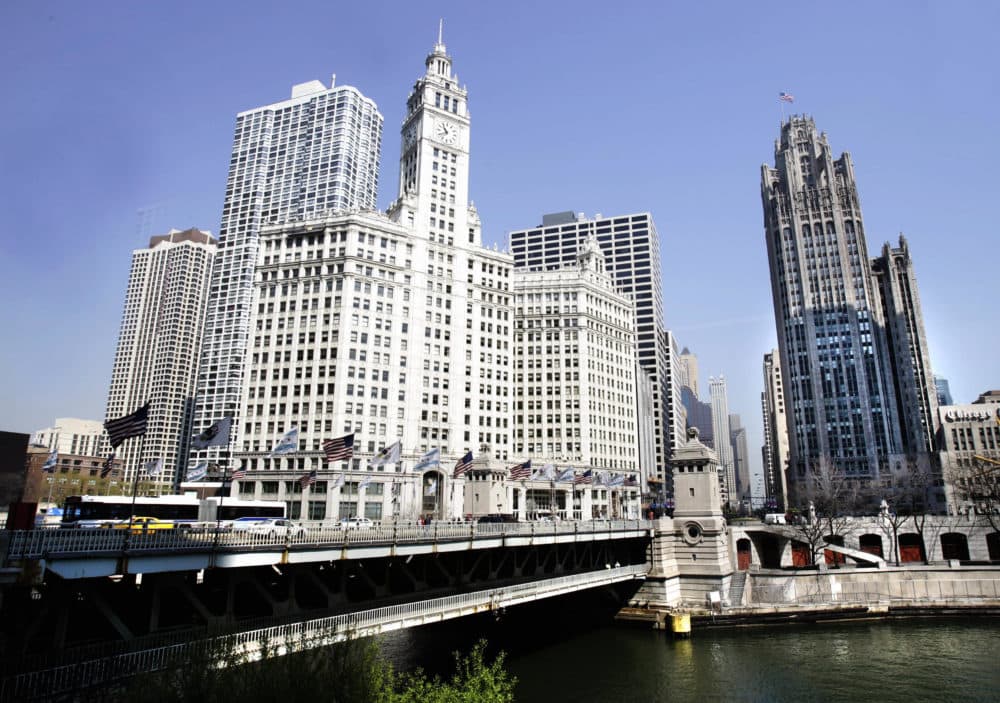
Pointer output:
x,y
978,487
829,499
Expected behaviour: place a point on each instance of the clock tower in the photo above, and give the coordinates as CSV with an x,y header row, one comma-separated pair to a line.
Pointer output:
x,y
434,157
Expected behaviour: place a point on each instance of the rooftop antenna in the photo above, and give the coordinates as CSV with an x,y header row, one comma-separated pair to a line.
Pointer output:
x,y
441,31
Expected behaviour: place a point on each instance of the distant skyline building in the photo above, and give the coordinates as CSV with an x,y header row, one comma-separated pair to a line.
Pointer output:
x,y
689,362
943,391
741,455
723,447
830,326
313,155
70,435
631,247
157,356
906,343
775,449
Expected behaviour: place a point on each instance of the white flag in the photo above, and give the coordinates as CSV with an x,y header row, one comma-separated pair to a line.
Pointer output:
x,y
289,442
388,455
154,467
365,482
431,458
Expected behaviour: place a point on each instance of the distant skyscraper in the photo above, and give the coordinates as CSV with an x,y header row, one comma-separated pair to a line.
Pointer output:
x,y
943,391
631,247
157,355
723,446
690,363
906,342
741,455
314,154
72,436
826,306
775,450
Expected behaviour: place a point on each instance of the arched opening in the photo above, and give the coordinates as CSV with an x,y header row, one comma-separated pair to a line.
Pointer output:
x,y
872,544
431,504
832,557
769,548
993,545
800,554
954,545
743,554
911,547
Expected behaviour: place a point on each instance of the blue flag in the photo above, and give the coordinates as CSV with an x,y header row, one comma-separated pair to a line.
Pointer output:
x,y
288,443
197,473
431,458
50,464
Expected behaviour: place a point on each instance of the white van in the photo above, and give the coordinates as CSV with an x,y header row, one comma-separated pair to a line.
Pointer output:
x,y
775,519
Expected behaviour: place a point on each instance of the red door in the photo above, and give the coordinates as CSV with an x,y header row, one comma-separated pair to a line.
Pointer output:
x,y
743,557
800,554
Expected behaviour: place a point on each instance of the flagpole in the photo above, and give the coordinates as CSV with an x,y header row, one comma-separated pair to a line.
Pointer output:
x,y
135,490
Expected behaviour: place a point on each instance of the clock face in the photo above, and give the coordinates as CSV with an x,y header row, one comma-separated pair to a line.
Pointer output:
x,y
447,132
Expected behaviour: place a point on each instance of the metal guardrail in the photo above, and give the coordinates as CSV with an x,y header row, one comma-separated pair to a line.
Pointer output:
x,y
46,543
310,633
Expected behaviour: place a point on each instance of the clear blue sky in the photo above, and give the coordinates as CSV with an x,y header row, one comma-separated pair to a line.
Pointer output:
x,y
115,108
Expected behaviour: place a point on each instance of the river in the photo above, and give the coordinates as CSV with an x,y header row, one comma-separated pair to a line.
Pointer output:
x,y
569,651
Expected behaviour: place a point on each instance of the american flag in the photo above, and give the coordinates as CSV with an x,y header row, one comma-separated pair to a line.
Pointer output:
x,y
127,426
786,97
521,471
340,449
109,465
238,474
463,465
308,480
586,477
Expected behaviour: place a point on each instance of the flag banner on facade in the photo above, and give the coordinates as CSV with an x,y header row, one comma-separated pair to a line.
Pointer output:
x,y
217,435
154,467
616,480
600,478
133,425
239,474
339,481
339,449
388,455
109,464
365,482
197,473
309,479
567,475
520,472
431,458
288,443
50,464
786,97
463,465
548,472
586,477
432,487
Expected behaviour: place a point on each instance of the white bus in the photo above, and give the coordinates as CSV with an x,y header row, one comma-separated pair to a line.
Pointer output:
x,y
104,511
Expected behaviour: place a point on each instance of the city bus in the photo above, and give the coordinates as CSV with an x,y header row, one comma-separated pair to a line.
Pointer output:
x,y
105,511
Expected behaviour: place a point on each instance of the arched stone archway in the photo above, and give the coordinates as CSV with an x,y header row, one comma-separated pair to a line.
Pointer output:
x,y
872,544
955,545
744,555
431,499
911,547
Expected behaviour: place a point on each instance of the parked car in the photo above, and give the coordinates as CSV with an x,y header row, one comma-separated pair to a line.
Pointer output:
x,y
356,523
273,527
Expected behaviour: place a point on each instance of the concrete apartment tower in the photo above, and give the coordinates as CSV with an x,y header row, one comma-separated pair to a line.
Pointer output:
x,y
723,447
394,327
906,341
775,449
157,355
316,153
826,306
70,435
631,248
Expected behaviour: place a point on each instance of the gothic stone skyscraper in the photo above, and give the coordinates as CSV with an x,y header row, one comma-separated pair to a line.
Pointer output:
x,y
828,317
314,154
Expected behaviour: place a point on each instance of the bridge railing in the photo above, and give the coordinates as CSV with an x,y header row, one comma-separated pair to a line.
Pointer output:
x,y
83,674
39,544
